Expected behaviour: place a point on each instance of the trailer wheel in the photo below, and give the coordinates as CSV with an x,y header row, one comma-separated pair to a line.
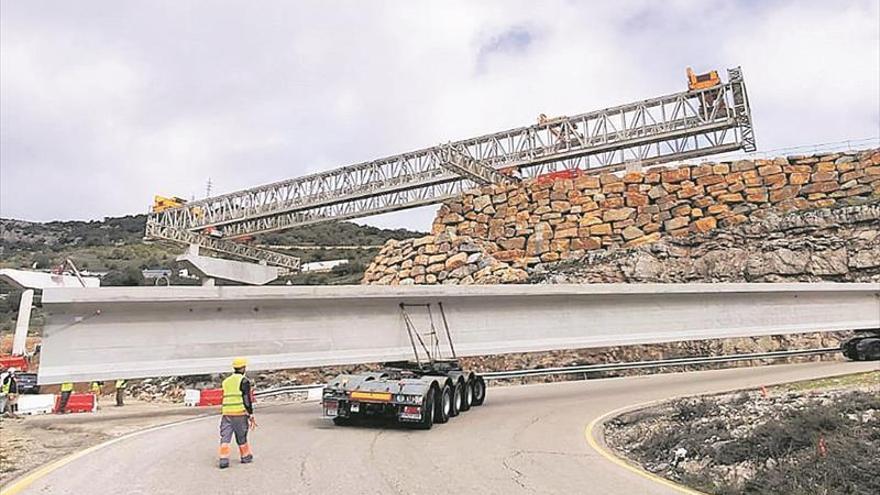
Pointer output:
x,y
479,387
457,396
443,405
467,395
427,420
871,351
340,421
850,348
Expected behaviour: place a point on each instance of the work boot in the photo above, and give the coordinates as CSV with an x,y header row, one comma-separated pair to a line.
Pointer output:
x,y
224,463
247,459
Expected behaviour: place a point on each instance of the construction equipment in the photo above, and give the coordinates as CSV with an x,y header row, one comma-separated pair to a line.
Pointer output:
x,y
702,81
431,389
162,203
706,84
865,346
692,123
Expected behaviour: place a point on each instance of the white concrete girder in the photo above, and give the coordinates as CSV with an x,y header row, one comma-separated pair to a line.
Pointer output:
x,y
236,271
108,333
26,279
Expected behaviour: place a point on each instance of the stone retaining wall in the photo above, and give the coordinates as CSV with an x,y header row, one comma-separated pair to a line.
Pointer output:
x,y
494,234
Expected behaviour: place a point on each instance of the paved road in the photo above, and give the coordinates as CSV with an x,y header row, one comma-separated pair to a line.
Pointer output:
x,y
527,439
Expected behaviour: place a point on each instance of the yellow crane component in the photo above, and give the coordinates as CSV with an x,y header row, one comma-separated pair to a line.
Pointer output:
x,y
162,203
702,81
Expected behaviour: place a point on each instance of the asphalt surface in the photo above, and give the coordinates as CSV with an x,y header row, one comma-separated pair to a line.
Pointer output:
x,y
527,439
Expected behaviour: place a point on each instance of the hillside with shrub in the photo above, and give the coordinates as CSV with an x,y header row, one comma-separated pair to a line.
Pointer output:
x,y
115,249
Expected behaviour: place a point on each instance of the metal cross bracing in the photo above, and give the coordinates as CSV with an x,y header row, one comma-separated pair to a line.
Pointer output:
x,y
669,128
223,246
457,161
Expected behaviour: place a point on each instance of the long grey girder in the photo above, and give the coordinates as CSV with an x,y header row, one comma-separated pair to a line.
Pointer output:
x,y
674,127
135,332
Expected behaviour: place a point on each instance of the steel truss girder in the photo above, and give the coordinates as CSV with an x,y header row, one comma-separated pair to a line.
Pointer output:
x,y
459,163
222,246
674,127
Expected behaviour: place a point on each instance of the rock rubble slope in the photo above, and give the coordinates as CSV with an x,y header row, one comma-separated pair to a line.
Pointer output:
x,y
504,233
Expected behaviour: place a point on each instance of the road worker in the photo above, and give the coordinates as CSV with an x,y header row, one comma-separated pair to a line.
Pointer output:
x,y
121,385
95,388
9,388
237,412
66,390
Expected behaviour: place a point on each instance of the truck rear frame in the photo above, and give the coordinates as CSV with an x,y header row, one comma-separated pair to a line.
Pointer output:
x,y
429,389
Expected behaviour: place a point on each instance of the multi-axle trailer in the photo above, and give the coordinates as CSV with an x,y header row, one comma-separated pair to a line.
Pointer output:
x,y
431,389
864,346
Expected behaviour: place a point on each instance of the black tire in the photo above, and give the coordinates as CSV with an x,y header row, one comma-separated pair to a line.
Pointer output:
x,y
443,405
850,349
340,421
871,349
467,395
427,420
479,386
457,394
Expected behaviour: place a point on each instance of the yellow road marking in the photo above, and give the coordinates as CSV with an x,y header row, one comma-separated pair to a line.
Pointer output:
x,y
607,454
22,483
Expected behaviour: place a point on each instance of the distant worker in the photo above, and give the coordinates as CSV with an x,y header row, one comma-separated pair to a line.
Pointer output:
x,y
9,388
121,385
66,390
95,388
237,413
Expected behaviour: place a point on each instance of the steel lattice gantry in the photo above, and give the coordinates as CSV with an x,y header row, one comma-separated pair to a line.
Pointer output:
x,y
674,127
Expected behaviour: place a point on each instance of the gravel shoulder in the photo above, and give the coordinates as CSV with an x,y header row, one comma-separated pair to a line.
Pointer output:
x,y
818,436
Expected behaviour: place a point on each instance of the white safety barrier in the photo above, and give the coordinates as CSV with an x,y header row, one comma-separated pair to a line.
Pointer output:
x,y
315,394
36,404
191,397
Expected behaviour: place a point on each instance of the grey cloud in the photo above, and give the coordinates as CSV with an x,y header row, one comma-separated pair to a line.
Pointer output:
x,y
103,104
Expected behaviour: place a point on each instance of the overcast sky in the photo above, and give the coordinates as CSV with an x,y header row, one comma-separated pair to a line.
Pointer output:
x,y
103,104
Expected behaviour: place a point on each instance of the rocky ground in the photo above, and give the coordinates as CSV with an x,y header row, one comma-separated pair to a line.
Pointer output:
x,y
503,232
818,437
822,245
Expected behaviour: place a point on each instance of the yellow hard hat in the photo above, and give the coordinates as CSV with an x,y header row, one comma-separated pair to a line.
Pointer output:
x,y
239,362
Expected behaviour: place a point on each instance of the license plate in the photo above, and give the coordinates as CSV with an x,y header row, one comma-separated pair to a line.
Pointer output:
x,y
411,412
331,409
355,407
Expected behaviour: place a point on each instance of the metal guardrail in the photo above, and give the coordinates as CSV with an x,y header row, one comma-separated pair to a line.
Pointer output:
x,y
592,368
287,390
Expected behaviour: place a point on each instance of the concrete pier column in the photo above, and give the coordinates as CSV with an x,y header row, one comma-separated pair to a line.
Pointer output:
x,y
21,324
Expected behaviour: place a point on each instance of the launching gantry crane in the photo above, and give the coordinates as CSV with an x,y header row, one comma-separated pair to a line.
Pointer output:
x,y
710,117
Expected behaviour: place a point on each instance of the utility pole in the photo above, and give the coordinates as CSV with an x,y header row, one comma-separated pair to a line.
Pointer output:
x,y
208,188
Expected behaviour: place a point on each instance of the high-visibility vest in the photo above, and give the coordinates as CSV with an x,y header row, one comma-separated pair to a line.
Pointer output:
x,y
96,388
121,384
233,402
67,387
7,384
